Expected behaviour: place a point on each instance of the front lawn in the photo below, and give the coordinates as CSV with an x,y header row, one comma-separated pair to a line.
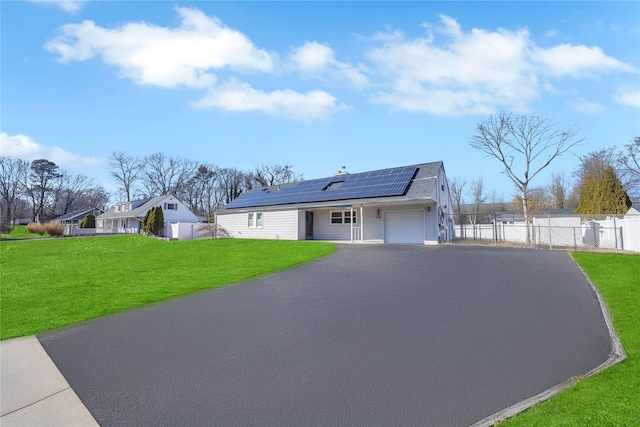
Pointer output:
x,y
612,397
48,284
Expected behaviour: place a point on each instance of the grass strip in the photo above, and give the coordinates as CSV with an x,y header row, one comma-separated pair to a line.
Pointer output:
x,y
48,284
21,232
612,397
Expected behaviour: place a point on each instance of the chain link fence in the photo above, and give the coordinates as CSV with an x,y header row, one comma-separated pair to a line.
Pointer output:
x,y
563,232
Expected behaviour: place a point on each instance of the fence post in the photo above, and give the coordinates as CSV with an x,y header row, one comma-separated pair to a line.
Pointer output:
x,y
495,231
549,224
621,239
615,233
575,245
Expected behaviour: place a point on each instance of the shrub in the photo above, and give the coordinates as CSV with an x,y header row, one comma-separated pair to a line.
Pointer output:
x,y
213,231
5,228
153,222
158,221
148,221
35,228
145,221
54,228
88,221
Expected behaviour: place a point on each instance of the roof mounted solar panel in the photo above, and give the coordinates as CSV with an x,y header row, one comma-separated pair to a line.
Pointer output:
x,y
382,183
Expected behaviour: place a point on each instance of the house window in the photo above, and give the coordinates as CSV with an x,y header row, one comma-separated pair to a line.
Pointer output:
x,y
342,217
255,220
171,206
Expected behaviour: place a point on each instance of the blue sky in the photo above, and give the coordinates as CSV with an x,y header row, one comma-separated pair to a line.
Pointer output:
x,y
318,85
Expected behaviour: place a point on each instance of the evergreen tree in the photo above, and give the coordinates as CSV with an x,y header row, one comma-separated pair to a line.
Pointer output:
x,y
148,220
586,200
158,221
603,194
610,193
88,221
145,221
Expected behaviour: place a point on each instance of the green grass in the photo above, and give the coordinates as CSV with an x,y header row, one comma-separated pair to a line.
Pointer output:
x,y
48,284
21,232
612,397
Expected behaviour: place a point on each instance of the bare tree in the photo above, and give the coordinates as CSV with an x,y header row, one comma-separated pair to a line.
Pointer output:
x,y
266,175
231,184
68,192
94,197
456,189
497,204
126,171
525,145
628,161
478,197
13,174
164,174
199,192
594,163
558,190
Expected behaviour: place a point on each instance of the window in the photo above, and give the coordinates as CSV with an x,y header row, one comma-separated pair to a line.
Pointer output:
x,y
171,206
342,217
254,220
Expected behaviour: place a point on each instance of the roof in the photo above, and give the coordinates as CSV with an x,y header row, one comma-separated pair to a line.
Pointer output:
x,y
633,211
405,183
77,215
138,208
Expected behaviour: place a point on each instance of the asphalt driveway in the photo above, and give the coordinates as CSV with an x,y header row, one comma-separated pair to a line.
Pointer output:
x,y
371,335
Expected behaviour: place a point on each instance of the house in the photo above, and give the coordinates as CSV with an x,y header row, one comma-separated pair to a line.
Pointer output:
x,y
409,204
126,217
632,212
71,219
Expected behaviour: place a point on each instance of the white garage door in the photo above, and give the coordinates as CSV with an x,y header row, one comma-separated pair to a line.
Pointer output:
x,y
404,227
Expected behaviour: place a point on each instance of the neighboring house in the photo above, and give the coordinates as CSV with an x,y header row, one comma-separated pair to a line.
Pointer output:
x,y
71,219
632,212
126,217
409,204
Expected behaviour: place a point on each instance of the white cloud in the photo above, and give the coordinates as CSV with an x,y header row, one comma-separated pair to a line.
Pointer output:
x,y
627,95
587,107
577,61
318,60
480,70
238,96
165,57
26,148
477,71
68,5
192,55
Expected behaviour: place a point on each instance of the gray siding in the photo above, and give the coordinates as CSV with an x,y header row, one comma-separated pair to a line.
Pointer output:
x,y
276,225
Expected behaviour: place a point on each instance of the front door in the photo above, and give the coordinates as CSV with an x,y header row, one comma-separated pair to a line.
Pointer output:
x,y
308,225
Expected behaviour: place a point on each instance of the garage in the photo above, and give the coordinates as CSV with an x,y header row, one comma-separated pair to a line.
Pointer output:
x,y
404,227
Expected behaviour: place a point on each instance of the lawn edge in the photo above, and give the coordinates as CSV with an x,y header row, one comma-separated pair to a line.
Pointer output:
x,y
616,355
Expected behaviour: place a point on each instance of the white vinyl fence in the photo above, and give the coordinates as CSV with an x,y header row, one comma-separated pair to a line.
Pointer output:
x,y
561,232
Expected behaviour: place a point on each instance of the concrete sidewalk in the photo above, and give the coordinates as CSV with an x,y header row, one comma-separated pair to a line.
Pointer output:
x,y
33,392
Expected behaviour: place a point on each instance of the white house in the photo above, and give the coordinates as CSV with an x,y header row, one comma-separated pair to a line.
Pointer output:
x,y
409,204
126,217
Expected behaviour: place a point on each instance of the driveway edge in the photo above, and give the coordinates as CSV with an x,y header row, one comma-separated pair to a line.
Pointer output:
x,y
616,355
33,390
